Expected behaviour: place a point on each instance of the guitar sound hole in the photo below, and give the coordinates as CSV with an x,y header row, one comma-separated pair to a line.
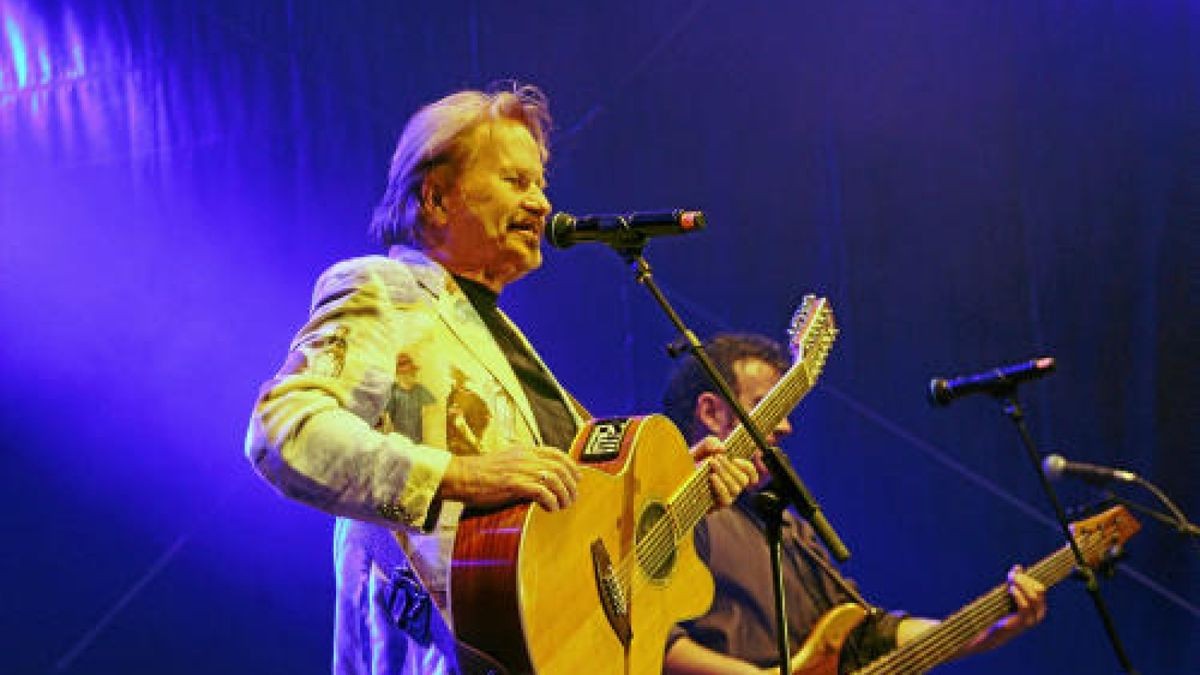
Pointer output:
x,y
655,545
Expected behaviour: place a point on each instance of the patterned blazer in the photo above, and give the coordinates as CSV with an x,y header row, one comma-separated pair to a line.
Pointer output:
x,y
393,372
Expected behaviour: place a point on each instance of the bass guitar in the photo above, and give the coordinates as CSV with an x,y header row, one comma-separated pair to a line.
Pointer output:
x,y
1099,538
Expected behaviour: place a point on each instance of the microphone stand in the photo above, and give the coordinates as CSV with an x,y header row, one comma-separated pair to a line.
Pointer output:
x,y
1176,520
1012,408
1181,526
770,507
1173,517
787,484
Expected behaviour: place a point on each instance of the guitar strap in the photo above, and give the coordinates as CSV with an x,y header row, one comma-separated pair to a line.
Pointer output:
x,y
835,576
408,604
805,540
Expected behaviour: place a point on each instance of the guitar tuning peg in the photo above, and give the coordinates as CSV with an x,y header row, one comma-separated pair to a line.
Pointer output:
x,y
1108,564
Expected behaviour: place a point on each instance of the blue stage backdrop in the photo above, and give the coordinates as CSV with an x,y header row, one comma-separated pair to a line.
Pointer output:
x,y
971,183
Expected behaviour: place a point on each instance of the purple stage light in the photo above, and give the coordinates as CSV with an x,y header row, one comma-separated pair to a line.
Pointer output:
x,y
16,45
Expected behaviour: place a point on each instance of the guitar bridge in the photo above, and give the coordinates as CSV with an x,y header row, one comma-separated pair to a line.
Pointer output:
x,y
612,596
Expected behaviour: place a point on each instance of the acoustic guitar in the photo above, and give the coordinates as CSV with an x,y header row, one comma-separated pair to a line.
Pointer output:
x,y
596,587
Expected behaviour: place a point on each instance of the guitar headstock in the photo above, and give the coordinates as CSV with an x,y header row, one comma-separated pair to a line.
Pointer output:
x,y
811,332
1103,533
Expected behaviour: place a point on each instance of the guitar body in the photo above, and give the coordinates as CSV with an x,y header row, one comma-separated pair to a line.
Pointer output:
x,y
823,648
527,585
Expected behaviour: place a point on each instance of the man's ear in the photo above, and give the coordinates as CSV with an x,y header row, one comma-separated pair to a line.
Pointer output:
x,y
712,413
433,201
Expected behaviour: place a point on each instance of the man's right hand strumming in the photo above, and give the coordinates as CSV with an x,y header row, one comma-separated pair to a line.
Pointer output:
x,y
540,474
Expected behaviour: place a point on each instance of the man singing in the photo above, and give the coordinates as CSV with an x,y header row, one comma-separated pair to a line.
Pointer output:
x,y
462,218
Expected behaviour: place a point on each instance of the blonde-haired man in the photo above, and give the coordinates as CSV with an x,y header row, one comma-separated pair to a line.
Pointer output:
x,y
462,218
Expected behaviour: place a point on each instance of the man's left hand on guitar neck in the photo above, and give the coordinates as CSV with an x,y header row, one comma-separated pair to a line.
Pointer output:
x,y
1029,597
727,476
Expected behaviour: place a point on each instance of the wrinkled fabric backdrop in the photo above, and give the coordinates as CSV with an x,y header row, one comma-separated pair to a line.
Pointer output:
x,y
971,184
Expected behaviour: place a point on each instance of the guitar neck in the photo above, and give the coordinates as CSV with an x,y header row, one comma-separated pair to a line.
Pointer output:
x,y
694,498
943,641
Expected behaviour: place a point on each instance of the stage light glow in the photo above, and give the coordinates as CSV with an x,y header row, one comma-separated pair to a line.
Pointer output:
x,y
40,56
16,46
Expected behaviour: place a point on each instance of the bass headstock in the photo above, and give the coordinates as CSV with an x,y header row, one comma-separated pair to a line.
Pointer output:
x,y
1101,536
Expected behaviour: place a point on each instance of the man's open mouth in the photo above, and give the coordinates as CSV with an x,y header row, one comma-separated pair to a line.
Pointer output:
x,y
532,228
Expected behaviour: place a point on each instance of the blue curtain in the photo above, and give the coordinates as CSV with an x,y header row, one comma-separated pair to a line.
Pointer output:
x,y
970,183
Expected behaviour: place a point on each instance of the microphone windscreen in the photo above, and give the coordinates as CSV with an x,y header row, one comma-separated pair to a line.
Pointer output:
x,y
559,230
1053,465
937,393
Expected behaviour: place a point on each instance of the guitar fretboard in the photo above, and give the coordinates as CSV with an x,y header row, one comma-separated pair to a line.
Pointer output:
x,y
943,641
693,499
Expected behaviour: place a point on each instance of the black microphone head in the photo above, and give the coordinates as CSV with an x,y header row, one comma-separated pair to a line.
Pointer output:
x,y
560,229
939,393
1053,466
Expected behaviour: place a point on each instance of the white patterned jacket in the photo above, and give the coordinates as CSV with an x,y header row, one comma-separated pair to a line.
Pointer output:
x,y
392,373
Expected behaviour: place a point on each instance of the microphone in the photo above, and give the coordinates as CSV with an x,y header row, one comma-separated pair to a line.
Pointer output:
x,y
622,230
1056,466
996,381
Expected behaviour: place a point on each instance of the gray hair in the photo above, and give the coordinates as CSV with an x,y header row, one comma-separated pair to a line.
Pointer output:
x,y
436,138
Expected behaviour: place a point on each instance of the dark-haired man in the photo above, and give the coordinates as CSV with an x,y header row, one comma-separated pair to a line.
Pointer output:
x,y
737,635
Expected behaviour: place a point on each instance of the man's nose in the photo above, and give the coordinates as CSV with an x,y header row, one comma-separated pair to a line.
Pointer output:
x,y
537,202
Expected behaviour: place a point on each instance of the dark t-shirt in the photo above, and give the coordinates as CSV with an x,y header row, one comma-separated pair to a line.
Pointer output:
x,y
741,622
554,419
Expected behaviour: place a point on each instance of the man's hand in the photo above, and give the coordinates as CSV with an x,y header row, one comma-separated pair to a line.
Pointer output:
x,y
1029,595
727,477
540,474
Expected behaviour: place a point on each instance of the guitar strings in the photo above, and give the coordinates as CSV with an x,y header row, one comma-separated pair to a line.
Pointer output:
x,y
693,500
934,646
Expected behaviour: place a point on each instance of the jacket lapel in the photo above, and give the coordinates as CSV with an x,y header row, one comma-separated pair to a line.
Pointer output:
x,y
461,319
574,407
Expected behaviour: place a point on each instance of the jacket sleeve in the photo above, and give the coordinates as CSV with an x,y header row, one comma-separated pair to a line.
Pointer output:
x,y
312,433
